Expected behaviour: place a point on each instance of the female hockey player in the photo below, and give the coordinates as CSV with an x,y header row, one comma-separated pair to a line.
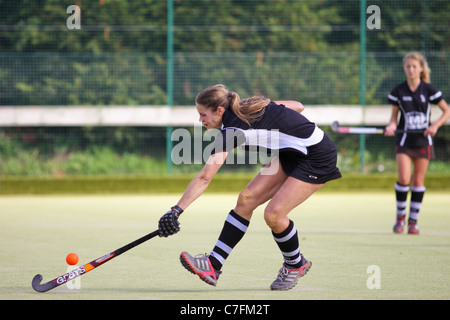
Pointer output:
x,y
412,99
305,160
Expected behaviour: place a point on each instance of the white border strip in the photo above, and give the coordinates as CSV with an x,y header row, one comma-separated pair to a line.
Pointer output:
x,y
175,116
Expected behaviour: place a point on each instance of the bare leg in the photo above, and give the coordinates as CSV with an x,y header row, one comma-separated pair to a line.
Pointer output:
x,y
291,194
404,163
259,190
420,170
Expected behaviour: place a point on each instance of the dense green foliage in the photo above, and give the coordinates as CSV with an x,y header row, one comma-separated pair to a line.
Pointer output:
x,y
306,50
76,151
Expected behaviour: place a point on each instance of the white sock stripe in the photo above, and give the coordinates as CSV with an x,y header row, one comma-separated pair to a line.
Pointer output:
x,y
224,246
401,204
236,223
218,257
416,205
286,238
418,189
399,187
291,254
413,215
293,261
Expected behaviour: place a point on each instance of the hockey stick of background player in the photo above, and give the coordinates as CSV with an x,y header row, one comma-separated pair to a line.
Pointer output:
x,y
36,283
366,130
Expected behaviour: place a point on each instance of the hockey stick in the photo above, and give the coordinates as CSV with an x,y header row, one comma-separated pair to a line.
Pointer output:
x,y
366,130
36,283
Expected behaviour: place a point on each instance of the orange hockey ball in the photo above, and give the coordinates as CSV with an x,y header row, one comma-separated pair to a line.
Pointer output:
x,y
72,259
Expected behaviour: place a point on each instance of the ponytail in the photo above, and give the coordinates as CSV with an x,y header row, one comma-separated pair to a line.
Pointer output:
x,y
248,110
251,109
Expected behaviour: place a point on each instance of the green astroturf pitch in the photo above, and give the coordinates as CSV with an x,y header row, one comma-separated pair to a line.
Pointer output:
x,y
347,236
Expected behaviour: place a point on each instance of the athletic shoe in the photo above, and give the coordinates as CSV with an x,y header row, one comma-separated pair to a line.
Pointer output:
x,y
413,228
201,266
288,277
399,225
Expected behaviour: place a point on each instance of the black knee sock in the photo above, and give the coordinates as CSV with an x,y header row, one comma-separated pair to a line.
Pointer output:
x,y
232,232
416,202
401,193
288,243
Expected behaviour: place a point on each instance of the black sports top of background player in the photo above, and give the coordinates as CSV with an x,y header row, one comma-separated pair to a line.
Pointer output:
x,y
415,112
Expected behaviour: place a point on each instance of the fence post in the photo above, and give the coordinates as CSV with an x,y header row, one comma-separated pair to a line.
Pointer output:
x,y
169,70
362,84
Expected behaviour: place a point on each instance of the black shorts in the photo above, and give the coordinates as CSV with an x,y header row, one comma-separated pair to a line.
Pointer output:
x,y
426,152
318,166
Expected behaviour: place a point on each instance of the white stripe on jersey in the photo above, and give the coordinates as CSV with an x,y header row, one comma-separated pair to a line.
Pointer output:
x,y
390,96
435,96
276,140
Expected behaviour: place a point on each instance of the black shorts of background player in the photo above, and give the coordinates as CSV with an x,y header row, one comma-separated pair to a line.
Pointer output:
x,y
412,100
306,160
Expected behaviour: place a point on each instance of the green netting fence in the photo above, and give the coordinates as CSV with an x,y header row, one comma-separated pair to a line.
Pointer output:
x,y
161,53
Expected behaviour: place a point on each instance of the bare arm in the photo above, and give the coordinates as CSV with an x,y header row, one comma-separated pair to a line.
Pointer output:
x,y
291,104
432,129
392,126
201,181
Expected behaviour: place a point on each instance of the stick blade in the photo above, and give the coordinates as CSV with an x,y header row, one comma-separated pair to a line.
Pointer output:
x,y
36,284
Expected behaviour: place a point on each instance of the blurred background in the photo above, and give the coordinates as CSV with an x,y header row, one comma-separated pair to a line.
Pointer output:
x,y
101,93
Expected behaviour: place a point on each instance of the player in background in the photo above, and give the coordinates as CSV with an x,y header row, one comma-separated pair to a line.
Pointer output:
x,y
306,160
412,99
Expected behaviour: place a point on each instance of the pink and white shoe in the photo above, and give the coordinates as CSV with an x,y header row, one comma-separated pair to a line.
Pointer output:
x,y
413,228
288,277
399,224
201,266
